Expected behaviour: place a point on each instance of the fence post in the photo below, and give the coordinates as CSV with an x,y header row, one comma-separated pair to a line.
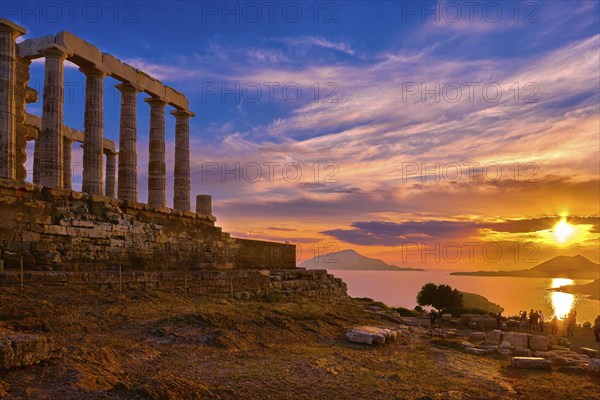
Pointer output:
x,y
21,261
185,284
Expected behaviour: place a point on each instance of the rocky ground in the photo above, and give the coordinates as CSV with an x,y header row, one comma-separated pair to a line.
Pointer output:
x,y
163,345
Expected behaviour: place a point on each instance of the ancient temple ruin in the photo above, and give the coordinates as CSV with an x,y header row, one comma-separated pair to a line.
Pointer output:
x,y
48,226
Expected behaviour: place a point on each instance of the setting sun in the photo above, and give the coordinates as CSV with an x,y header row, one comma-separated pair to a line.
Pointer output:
x,y
563,230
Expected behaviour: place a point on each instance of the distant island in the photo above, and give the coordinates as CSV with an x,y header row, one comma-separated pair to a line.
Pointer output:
x,y
350,260
575,267
478,302
589,289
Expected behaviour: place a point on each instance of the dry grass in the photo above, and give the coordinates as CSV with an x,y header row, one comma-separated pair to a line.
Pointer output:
x,y
162,345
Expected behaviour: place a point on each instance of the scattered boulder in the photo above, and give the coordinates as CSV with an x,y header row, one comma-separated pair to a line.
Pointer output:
x,y
574,368
391,334
504,352
475,351
451,333
476,336
564,358
564,342
19,350
505,345
531,363
370,335
488,349
594,366
587,325
446,317
478,320
438,333
517,339
538,343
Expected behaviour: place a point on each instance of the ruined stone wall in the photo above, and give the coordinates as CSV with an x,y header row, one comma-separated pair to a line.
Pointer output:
x,y
64,230
225,283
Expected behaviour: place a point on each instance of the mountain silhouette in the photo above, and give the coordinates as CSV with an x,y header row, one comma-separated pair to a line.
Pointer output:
x,y
573,267
350,260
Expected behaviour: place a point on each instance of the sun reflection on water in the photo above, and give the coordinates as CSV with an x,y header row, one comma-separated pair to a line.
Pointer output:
x,y
561,302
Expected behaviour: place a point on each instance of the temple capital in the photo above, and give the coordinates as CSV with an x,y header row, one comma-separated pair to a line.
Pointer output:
x,y
127,87
11,27
180,113
92,70
156,102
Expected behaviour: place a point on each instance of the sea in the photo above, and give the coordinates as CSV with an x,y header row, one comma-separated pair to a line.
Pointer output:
x,y
400,288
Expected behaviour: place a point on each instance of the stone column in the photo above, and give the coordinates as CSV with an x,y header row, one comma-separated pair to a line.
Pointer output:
x,y
204,205
8,61
67,167
93,143
51,138
37,159
157,174
128,169
181,190
111,174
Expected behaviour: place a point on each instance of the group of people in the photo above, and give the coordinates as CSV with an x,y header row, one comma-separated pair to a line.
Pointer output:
x,y
534,321
568,322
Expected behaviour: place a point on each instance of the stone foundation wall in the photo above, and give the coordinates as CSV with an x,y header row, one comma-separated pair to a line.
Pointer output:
x,y
64,230
225,283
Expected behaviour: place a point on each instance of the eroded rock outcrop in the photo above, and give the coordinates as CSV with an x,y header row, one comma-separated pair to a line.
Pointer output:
x,y
19,350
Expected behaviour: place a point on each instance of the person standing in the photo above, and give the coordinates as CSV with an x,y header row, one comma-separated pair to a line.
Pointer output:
x,y
432,317
523,324
597,329
531,319
541,317
554,326
570,324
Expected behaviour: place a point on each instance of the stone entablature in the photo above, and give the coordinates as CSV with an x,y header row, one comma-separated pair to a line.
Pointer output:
x,y
69,133
84,53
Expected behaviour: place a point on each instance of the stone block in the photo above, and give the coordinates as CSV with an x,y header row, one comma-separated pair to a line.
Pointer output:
x,y
594,367
475,351
531,363
176,98
504,352
589,352
150,85
521,352
367,335
517,339
118,69
79,195
494,337
538,343
55,229
83,52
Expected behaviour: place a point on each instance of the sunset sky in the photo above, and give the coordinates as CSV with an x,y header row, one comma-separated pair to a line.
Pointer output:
x,y
391,127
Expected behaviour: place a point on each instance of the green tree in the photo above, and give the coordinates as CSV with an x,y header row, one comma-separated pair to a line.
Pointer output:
x,y
442,298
